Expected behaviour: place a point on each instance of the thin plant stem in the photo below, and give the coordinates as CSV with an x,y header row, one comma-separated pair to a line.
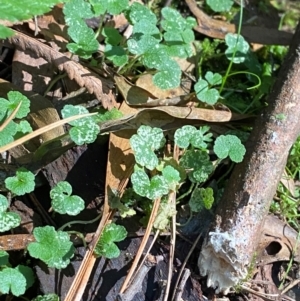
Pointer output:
x,y
79,222
234,50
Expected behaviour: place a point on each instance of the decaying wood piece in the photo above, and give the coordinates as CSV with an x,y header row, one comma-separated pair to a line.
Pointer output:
x,y
232,241
94,84
253,34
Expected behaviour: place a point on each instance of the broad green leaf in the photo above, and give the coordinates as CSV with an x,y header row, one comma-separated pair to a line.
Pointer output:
x,y
5,32
210,96
188,134
62,201
200,138
3,203
85,130
22,183
105,115
8,133
11,280
70,110
112,36
219,5
106,246
116,54
27,273
3,258
144,143
234,41
113,233
13,99
113,7
201,198
213,78
77,9
190,22
179,43
168,79
140,43
153,136
183,135
8,220
18,10
174,164
158,187
197,164
24,127
152,189
173,21
145,26
231,146
157,58
52,247
165,212
84,37
143,153
140,182
172,176
188,36
109,251
140,12
182,51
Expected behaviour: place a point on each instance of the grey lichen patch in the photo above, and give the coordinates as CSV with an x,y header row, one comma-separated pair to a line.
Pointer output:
x,y
219,260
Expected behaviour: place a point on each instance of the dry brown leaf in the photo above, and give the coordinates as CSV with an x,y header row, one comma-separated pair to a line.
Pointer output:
x,y
94,84
132,94
119,154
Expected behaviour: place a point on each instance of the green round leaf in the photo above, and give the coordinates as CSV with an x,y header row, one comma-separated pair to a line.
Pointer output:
x,y
168,78
22,183
112,35
173,21
236,43
70,110
106,246
116,54
12,280
201,198
231,146
140,182
172,176
140,43
140,12
210,96
183,135
7,134
9,220
77,9
219,5
86,133
198,165
14,98
213,78
63,202
3,203
4,258
52,247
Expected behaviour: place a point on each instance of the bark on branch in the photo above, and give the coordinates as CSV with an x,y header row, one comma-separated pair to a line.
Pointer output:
x,y
232,241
